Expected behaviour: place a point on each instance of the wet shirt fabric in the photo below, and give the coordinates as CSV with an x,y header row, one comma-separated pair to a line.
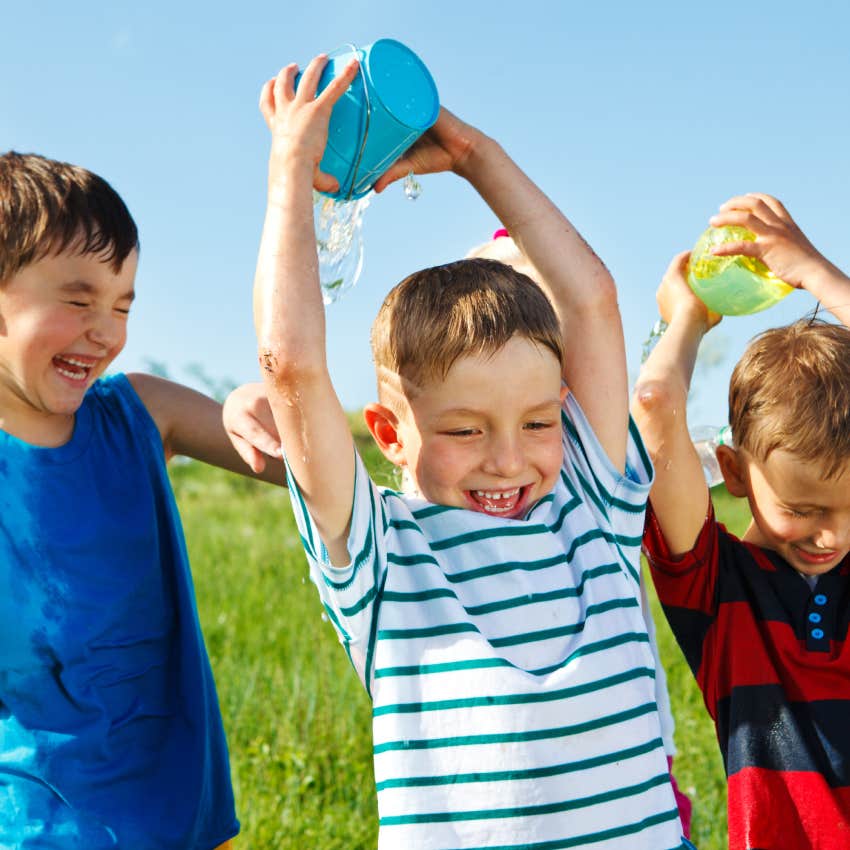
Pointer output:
x,y
770,655
110,732
507,661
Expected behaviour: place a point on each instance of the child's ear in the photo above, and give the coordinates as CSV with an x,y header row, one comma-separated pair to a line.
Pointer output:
x,y
732,466
383,426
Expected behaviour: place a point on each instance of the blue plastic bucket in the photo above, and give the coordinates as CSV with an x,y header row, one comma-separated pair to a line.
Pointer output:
x,y
391,103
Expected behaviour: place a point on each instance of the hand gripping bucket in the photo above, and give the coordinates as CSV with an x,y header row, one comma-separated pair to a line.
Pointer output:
x,y
391,103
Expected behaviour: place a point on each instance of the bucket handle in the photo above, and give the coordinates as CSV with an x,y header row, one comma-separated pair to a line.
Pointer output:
x,y
368,104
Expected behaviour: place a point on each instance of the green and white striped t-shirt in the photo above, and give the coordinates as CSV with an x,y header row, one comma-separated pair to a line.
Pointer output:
x,y
508,662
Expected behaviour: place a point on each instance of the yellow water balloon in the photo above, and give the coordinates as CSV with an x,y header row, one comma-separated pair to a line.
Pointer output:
x,y
736,285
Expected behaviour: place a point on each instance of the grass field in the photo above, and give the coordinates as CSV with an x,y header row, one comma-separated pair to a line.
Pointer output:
x,y
297,719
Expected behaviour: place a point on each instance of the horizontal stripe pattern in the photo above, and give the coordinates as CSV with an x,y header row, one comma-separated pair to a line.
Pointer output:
x,y
508,662
780,700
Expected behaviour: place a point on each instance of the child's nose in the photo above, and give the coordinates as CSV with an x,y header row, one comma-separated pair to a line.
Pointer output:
x,y
106,330
833,537
505,456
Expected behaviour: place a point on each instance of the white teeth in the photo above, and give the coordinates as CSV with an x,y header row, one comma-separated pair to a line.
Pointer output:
x,y
501,494
74,362
68,374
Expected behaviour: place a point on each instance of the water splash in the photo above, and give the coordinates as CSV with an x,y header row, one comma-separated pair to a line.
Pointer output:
x,y
652,340
412,187
339,243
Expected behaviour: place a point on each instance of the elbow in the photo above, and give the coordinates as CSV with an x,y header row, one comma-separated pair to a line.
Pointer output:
x,y
598,299
659,410
287,371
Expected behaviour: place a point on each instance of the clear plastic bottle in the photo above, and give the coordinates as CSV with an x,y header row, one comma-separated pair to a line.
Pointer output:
x,y
706,439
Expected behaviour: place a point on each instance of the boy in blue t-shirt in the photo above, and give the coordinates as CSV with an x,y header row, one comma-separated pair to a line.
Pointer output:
x,y
110,731
493,612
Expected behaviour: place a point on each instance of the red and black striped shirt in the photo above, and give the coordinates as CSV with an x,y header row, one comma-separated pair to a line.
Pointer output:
x,y
771,658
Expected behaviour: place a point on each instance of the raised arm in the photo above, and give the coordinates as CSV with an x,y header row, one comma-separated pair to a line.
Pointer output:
x,y
577,282
785,250
679,494
289,313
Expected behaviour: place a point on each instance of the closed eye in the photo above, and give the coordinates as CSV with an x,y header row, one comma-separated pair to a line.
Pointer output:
x,y
538,425
461,432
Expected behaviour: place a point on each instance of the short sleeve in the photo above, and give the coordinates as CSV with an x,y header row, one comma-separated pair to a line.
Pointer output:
x,y
688,582
616,499
349,594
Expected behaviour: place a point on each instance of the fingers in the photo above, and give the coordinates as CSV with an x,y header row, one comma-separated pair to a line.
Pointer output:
x,y
284,84
255,433
400,168
309,81
743,218
253,458
764,207
746,248
338,86
267,99
277,90
774,204
678,267
324,182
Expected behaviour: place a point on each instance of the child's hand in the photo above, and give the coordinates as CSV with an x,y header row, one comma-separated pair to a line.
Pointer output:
x,y
445,147
299,119
249,424
676,299
779,244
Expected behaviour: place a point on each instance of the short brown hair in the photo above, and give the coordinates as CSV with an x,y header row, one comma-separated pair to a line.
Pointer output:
x,y
791,391
47,207
469,307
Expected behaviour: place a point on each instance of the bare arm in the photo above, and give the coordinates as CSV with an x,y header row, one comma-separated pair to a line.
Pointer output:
x,y
785,250
577,282
289,314
190,424
679,494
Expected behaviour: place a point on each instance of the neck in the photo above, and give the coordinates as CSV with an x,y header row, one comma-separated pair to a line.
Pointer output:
x,y
38,429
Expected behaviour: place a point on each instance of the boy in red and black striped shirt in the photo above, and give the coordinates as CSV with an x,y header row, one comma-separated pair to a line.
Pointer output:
x,y
763,620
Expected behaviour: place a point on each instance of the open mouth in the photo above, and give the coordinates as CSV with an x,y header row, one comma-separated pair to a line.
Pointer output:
x,y
498,502
72,368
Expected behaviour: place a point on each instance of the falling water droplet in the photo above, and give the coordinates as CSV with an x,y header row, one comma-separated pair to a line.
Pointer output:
x,y
412,187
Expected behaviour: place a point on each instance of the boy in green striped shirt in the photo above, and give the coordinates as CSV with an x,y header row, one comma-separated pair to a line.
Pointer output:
x,y
493,611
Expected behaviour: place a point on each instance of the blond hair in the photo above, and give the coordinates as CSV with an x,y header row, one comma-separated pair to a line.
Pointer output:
x,y
791,391
47,207
469,307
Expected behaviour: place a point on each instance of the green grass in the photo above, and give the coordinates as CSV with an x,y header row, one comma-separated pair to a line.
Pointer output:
x,y
297,719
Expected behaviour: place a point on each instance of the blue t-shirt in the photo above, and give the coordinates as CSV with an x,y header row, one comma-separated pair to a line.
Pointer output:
x,y
110,730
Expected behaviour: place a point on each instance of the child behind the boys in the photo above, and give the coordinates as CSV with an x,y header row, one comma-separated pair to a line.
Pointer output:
x,y
763,621
110,732
493,617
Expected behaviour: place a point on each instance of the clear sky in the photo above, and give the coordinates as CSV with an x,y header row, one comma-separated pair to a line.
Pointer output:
x,y
638,120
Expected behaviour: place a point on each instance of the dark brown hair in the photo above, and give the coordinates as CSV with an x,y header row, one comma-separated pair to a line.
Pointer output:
x,y
47,207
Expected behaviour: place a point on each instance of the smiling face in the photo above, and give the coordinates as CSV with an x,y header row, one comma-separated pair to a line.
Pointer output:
x,y
797,512
488,437
63,320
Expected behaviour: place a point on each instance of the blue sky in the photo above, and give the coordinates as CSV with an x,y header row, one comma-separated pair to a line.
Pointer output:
x,y
637,119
